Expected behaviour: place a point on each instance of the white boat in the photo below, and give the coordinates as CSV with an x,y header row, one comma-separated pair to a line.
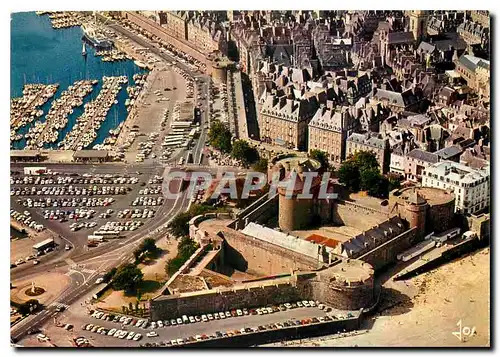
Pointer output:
x,y
139,64
84,50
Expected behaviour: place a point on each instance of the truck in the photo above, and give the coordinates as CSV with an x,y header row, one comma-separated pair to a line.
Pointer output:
x,y
36,171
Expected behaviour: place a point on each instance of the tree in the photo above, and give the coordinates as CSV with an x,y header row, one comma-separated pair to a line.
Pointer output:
x,y
173,265
349,175
244,152
394,181
136,305
28,307
179,226
185,249
127,278
369,178
219,136
109,275
149,245
374,183
261,165
130,306
321,156
365,160
137,254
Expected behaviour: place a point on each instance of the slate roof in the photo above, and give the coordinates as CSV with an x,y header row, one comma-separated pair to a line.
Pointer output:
x,y
449,152
422,155
400,37
472,62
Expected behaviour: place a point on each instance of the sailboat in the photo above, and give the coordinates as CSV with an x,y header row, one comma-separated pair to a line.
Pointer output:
x,y
84,50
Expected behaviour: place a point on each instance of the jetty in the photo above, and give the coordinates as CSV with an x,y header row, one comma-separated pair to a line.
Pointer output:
x,y
57,117
84,132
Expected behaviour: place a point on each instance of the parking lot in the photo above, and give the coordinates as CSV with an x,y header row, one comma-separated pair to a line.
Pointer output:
x,y
105,329
78,204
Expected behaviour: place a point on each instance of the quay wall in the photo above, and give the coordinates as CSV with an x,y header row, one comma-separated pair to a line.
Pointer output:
x,y
287,333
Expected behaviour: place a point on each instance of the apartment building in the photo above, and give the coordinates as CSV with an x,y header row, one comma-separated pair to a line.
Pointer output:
x,y
284,119
470,186
417,161
328,132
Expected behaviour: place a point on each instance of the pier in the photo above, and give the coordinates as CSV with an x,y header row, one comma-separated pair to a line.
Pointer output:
x,y
85,130
25,109
57,117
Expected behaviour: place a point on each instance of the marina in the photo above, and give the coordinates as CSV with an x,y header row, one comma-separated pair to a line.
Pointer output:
x,y
134,91
112,56
57,57
25,109
64,19
57,118
85,130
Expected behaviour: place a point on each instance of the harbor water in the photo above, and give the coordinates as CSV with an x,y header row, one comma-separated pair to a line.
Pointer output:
x,y
41,54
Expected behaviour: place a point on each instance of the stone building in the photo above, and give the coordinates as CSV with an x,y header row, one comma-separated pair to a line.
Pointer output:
x,y
328,132
430,209
283,119
353,84
417,23
476,72
333,52
474,33
199,29
444,22
408,100
481,16
373,142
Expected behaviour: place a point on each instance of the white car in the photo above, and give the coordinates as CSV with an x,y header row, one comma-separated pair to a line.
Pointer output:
x,y
152,334
160,323
130,335
137,337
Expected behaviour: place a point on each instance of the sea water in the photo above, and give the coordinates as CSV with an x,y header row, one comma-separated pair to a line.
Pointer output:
x,y
41,54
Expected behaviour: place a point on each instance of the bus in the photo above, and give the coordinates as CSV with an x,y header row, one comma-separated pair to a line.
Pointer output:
x,y
40,247
95,238
107,234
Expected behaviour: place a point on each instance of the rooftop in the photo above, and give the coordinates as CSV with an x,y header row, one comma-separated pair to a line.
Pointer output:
x,y
422,155
283,240
84,154
459,172
433,196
